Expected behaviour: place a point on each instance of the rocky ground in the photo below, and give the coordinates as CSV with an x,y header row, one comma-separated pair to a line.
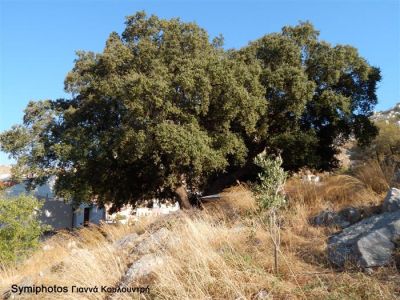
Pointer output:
x,y
364,240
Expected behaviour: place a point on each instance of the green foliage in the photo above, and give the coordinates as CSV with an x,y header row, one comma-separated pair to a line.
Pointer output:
x,y
318,96
386,143
164,107
271,179
20,228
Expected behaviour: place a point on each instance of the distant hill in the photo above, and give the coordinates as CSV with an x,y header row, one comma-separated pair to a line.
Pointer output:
x,y
391,115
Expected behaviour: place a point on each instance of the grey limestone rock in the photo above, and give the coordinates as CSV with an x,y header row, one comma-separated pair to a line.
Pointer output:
x,y
392,200
368,243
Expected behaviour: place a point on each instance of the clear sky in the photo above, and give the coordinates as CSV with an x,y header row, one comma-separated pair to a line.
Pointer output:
x,y
38,38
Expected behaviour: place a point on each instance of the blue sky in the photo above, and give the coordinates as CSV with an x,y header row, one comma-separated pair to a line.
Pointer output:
x,y
38,38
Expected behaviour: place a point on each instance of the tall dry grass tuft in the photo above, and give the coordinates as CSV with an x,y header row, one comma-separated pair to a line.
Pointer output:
x,y
334,192
214,261
235,200
378,176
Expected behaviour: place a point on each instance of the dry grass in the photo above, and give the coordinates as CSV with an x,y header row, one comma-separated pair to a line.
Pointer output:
x,y
218,261
225,251
377,176
334,192
235,200
221,260
224,261
85,257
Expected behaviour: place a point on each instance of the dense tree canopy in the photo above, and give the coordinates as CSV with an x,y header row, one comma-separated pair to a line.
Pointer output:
x,y
163,107
318,95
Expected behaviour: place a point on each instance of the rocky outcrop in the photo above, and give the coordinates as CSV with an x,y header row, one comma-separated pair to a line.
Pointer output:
x,y
147,247
392,200
140,269
390,115
158,240
262,295
369,242
143,267
341,219
127,242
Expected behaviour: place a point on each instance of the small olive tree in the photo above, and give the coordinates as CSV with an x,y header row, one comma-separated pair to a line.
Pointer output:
x,y
20,227
269,194
271,179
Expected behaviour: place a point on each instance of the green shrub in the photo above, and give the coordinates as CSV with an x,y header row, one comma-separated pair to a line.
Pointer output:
x,y
271,179
386,143
20,227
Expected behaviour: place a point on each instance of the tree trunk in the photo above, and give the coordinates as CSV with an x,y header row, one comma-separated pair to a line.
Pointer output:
x,y
183,198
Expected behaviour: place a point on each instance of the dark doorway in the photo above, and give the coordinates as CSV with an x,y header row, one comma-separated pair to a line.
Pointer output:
x,y
86,216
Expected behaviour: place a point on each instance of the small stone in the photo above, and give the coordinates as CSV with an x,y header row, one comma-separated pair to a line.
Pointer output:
x,y
7,295
72,245
155,241
127,241
352,214
144,266
262,295
47,248
392,200
324,218
368,271
341,219
239,227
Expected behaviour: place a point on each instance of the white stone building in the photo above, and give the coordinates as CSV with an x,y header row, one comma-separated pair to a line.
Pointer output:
x,y
55,211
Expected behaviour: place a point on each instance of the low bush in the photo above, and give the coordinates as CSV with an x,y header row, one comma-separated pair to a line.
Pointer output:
x,y
20,227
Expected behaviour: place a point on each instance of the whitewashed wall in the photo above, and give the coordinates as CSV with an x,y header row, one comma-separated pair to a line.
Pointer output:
x,y
55,212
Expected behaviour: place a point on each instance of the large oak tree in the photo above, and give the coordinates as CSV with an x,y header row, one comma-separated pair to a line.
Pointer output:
x,y
163,110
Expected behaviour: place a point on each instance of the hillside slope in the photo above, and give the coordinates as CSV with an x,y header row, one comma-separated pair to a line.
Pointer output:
x,y
390,115
228,250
